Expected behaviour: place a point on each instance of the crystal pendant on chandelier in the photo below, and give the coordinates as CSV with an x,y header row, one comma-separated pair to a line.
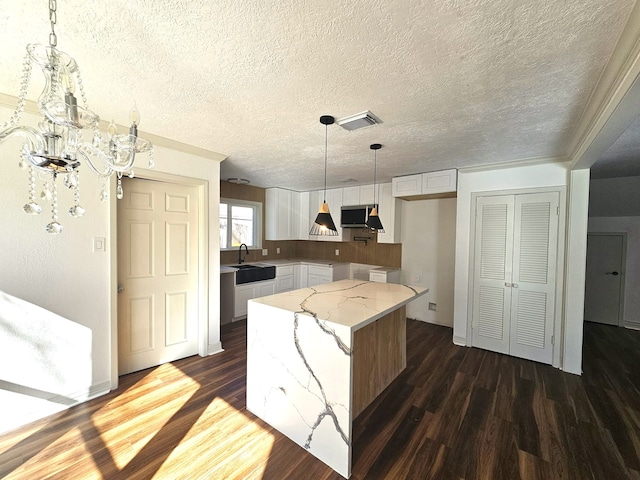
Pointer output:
x,y
57,146
32,208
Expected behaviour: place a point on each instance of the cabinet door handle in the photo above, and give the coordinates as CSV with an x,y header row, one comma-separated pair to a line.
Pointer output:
x,y
507,284
612,273
514,285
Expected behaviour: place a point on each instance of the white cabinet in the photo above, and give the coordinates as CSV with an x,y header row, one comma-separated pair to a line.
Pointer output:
x,y
366,195
247,291
407,185
439,182
300,275
361,195
279,214
301,215
319,275
390,213
351,196
284,278
384,276
431,183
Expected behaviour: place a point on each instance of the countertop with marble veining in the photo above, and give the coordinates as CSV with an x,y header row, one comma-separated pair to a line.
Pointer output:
x,y
350,303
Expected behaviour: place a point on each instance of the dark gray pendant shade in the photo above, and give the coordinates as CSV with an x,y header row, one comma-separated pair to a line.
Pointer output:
x,y
373,222
324,223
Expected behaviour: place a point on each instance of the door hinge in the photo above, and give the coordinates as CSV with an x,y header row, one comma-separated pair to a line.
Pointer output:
x,y
553,339
557,210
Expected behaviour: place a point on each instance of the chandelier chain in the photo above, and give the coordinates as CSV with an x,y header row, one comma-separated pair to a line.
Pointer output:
x,y
53,18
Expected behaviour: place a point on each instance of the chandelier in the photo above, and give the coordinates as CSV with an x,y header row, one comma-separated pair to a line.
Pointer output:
x,y
57,147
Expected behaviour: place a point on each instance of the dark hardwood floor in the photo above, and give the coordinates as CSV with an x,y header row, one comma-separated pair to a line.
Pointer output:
x,y
454,413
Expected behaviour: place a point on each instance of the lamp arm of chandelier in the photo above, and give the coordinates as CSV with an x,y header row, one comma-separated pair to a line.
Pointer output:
x,y
107,163
35,140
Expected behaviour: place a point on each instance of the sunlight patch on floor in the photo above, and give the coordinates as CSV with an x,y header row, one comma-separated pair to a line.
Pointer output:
x,y
219,462
125,435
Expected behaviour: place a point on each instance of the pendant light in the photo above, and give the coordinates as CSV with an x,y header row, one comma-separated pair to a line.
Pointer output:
x,y
324,223
373,222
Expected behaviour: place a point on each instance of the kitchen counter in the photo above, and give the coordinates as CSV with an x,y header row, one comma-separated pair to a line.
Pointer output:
x,y
284,262
318,356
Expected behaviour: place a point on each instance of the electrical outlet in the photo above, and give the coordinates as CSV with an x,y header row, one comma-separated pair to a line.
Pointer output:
x,y
432,306
278,250
416,278
337,252
265,252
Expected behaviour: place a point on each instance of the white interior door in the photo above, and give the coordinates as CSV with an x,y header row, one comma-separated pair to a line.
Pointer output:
x,y
603,289
515,248
157,273
533,287
493,272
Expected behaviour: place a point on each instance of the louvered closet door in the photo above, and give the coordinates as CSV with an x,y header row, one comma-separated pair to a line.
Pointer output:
x,y
514,274
535,238
493,272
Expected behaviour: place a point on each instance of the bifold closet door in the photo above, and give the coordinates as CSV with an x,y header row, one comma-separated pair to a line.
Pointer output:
x,y
514,274
493,271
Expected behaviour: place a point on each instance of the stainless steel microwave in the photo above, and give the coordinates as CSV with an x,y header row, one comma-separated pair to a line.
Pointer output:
x,y
354,216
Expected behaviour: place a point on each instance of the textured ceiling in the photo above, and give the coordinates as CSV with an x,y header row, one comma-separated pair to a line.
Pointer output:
x,y
456,83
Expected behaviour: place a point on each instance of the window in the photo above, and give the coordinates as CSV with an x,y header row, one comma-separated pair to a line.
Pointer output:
x,y
240,222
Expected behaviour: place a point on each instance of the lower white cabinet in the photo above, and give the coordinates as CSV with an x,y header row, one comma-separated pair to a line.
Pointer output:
x,y
247,291
319,275
384,276
300,275
284,278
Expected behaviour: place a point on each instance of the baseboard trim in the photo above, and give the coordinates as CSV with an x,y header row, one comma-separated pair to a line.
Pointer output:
x,y
214,348
460,341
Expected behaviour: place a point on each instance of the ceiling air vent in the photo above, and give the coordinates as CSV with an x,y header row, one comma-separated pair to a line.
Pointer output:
x,y
359,120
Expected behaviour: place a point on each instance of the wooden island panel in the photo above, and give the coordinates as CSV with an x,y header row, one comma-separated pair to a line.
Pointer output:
x,y
379,355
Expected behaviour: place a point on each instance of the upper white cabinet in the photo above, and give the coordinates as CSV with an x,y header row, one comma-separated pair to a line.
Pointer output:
x,y
431,183
390,212
279,214
287,214
351,195
361,195
407,185
439,182
301,215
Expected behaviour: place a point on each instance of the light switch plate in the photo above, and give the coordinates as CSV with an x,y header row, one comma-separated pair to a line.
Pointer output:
x,y
99,244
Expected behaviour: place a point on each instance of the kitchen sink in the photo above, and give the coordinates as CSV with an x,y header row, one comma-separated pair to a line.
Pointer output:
x,y
248,273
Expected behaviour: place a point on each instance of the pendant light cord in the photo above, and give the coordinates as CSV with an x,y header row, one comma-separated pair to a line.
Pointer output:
x,y
375,167
326,134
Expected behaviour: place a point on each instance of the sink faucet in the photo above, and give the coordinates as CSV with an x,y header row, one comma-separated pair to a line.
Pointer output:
x,y
240,259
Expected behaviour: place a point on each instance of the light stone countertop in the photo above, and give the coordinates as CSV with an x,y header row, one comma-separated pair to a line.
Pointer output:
x,y
350,303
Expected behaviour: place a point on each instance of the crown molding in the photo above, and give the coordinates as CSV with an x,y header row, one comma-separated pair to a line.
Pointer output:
x,y
31,107
525,162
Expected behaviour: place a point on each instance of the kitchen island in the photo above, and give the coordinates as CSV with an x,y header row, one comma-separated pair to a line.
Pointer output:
x,y
318,356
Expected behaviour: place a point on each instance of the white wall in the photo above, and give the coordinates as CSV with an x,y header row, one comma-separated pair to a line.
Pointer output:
x,y
614,206
428,250
614,197
63,275
630,225
496,180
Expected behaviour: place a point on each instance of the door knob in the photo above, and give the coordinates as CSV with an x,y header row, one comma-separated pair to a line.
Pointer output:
x,y
612,273
120,289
